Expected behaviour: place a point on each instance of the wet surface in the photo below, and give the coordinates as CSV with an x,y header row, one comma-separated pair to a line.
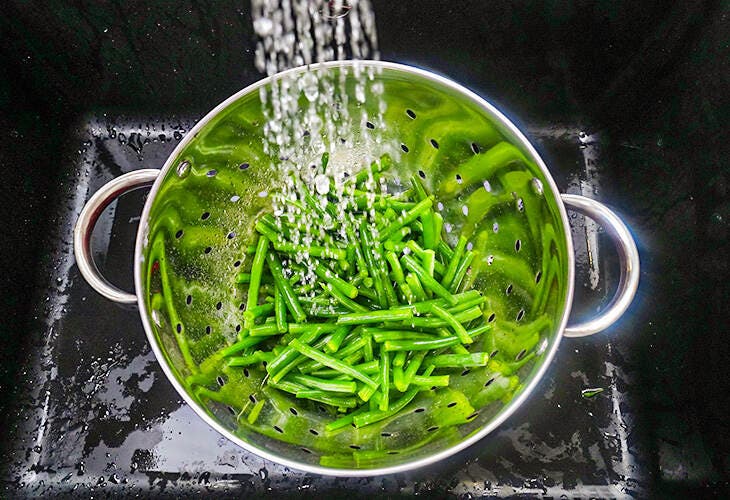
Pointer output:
x,y
625,100
104,418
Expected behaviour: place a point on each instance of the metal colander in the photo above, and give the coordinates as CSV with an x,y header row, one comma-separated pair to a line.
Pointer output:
x,y
488,181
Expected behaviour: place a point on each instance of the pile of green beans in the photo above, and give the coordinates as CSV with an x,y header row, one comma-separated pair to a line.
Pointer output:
x,y
369,313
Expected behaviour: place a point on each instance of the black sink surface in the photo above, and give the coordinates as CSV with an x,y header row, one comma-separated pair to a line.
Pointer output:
x,y
625,102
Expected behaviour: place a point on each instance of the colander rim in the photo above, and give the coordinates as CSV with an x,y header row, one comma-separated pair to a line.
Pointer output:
x,y
497,420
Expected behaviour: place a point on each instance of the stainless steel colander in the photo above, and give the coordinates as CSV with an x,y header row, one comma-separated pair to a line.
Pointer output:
x,y
489,182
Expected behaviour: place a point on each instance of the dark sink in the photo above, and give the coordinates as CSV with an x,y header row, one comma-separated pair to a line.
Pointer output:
x,y
627,102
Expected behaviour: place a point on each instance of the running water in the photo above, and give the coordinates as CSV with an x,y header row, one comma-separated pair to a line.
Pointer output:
x,y
309,127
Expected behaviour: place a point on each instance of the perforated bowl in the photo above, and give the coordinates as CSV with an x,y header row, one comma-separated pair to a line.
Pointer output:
x,y
488,181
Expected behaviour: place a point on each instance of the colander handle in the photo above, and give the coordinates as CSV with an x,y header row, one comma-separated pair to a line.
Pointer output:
x,y
85,226
628,260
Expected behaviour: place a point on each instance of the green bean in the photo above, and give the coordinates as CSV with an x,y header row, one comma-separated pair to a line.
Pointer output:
x,y
446,252
462,317
265,330
464,301
413,365
461,271
289,354
431,381
292,248
350,348
416,288
460,360
399,378
333,363
438,224
453,323
337,282
249,315
288,386
346,301
368,348
367,244
383,335
251,359
362,267
300,328
345,420
241,345
398,235
428,281
400,358
395,267
295,308
327,398
256,270
376,416
408,295
368,368
280,311
424,255
419,345
454,262
407,218
389,290
325,385
429,263
337,337
456,348
375,316
242,278
366,391
384,379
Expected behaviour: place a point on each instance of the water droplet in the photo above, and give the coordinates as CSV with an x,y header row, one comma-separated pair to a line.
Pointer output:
x,y
322,183
536,185
263,26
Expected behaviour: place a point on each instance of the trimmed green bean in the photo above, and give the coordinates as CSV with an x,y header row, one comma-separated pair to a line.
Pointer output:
x,y
334,343
376,416
427,280
455,325
295,308
413,365
333,363
334,280
375,316
265,330
414,284
257,267
407,218
462,317
324,385
327,398
454,262
343,299
384,380
431,381
280,311
461,271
